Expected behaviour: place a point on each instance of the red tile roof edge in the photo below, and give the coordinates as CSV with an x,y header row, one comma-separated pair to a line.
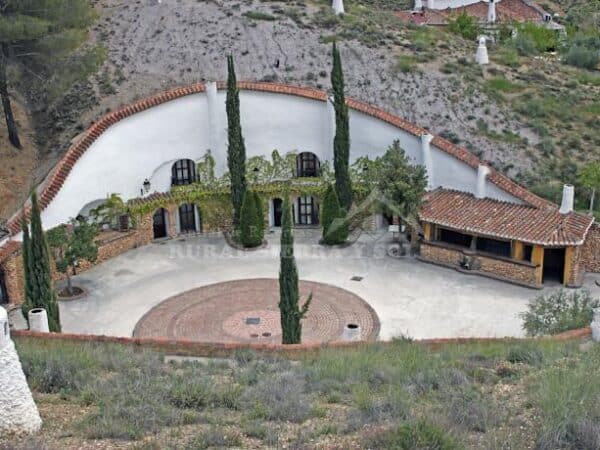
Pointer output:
x,y
570,240
57,176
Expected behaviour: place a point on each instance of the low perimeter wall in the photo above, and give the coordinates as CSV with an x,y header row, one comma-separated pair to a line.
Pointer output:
x,y
207,349
518,272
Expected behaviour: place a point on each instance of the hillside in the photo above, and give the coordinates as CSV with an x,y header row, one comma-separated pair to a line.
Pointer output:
x,y
494,395
532,116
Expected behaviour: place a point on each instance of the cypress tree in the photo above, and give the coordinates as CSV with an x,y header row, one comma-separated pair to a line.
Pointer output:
x,y
27,272
236,150
341,142
335,228
249,232
260,216
41,290
291,314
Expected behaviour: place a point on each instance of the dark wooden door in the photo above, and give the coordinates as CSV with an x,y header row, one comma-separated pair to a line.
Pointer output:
x,y
277,211
159,224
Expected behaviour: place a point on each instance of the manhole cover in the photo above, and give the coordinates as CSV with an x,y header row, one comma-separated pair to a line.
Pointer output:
x,y
356,278
266,334
252,320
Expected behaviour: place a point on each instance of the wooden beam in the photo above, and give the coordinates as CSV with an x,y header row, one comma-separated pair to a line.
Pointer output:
x,y
537,258
428,231
569,253
518,250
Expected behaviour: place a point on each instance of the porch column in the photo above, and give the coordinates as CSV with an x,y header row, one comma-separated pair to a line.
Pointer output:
x,y
569,280
428,231
518,250
172,219
537,258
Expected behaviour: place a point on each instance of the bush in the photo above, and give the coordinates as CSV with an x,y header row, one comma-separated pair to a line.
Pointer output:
x,y
558,312
525,354
333,219
250,232
580,56
420,435
532,38
215,437
465,25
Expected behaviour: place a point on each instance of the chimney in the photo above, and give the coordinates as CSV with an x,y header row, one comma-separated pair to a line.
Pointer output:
x,y
482,173
418,5
427,159
481,56
568,198
491,15
338,6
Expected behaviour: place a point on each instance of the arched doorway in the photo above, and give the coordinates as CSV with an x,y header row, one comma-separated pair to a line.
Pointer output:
x,y
277,211
159,223
308,211
3,291
190,219
183,172
307,165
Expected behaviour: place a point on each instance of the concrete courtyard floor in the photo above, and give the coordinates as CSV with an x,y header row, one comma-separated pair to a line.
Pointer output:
x,y
411,298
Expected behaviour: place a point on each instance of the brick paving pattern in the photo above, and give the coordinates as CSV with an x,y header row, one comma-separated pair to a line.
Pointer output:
x,y
219,313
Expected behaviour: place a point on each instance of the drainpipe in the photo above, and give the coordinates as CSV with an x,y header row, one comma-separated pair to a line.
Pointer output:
x,y
482,173
427,159
568,198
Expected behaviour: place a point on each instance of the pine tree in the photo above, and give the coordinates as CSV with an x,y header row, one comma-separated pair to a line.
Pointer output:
x,y
291,314
41,289
43,38
236,150
260,216
249,232
341,142
333,219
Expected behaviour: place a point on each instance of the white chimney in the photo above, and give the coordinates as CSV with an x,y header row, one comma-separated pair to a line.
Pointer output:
x,y
491,15
568,198
427,159
418,5
482,173
481,57
338,6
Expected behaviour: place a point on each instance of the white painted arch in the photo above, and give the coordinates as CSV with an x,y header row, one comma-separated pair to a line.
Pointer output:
x,y
146,144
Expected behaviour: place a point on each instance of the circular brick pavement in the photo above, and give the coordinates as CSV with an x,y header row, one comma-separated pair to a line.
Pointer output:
x,y
246,311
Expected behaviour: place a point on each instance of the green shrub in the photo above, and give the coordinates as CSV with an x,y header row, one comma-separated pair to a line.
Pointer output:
x,y
580,56
525,354
406,63
250,233
465,25
420,435
260,216
333,219
215,438
257,15
559,311
532,38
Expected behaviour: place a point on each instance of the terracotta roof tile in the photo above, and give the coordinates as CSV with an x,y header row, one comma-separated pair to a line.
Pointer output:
x,y
494,218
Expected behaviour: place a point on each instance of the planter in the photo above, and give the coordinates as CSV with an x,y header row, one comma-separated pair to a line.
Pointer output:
x,y
78,292
38,320
351,333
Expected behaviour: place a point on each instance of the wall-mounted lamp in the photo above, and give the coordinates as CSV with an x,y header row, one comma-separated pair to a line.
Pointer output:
x,y
147,185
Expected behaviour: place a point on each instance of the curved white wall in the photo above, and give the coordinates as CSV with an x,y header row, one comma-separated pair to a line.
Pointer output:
x,y
146,145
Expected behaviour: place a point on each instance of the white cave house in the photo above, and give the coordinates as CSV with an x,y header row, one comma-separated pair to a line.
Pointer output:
x,y
151,152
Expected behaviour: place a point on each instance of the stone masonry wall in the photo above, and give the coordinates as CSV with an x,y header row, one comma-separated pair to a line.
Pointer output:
x,y
496,267
590,252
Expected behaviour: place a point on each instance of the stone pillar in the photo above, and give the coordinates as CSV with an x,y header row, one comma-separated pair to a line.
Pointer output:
x,y
427,159
172,219
491,15
18,413
481,57
338,6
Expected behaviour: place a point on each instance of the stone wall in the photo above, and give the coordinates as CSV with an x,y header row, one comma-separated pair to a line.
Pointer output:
x,y
110,244
501,268
590,251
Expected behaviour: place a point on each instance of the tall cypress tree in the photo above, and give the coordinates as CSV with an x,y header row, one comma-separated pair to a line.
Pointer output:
x,y
41,290
291,314
27,272
341,142
335,228
236,150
